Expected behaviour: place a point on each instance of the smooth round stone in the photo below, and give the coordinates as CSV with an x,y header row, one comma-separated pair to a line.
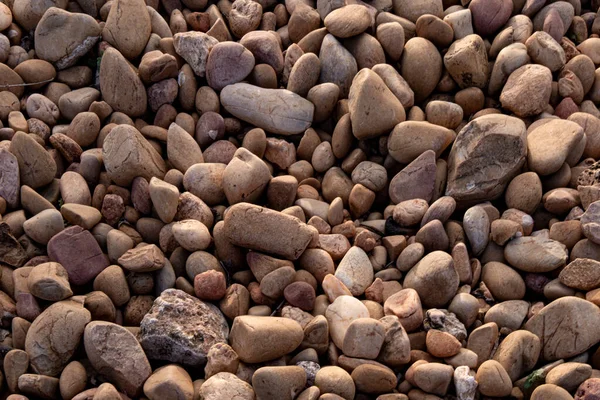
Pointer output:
x,y
341,313
434,278
535,254
355,271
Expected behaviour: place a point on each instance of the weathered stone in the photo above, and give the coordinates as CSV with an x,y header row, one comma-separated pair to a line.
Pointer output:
x,y
487,153
181,329
274,110
79,253
260,339
194,48
565,327
55,335
265,230
115,353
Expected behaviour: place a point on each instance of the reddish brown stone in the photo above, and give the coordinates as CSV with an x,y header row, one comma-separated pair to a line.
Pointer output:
x,y
80,254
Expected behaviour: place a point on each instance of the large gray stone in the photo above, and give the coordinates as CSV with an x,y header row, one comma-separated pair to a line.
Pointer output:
x,y
180,328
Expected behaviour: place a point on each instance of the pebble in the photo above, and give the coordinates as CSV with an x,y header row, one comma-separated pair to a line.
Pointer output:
x,y
334,380
493,380
340,314
434,278
569,375
571,318
562,136
279,382
263,108
535,254
355,346
79,253
355,271
54,336
441,344
270,338
433,377
169,381
225,385
121,359
127,155
279,234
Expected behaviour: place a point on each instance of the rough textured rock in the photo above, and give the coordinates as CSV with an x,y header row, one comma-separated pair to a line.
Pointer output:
x,y
527,90
180,328
194,48
225,385
10,182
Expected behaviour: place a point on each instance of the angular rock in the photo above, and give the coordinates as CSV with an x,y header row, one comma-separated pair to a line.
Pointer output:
x,y
416,180
467,62
181,329
527,90
374,110
79,253
11,251
226,385
194,48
